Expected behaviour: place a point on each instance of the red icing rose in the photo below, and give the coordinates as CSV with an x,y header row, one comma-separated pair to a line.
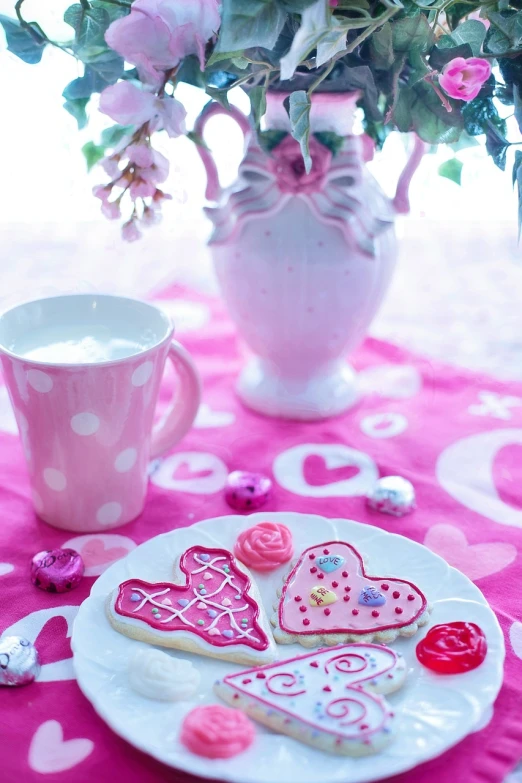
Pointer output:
x,y
217,732
289,168
453,648
264,547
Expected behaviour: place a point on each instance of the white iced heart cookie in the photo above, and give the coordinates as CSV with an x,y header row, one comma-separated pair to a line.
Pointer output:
x,y
332,699
157,675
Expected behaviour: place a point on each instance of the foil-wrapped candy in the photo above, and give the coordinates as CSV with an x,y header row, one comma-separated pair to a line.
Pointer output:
x,y
392,495
19,664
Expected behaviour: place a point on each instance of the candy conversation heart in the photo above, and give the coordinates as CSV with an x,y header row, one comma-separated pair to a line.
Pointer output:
x,y
341,599
332,699
221,618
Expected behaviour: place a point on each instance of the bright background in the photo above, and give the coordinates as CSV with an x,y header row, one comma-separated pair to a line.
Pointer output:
x,y
458,289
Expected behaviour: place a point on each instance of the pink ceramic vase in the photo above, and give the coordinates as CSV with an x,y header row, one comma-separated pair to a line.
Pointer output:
x,y
303,260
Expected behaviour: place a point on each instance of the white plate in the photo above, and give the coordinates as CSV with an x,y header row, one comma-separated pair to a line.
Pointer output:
x,y
435,711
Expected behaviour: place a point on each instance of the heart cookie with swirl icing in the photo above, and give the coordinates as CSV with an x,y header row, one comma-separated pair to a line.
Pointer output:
x,y
332,699
328,598
213,608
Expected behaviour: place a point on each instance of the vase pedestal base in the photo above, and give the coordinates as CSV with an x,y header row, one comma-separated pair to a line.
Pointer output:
x,y
264,389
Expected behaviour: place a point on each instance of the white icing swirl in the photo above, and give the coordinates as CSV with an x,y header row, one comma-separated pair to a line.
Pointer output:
x,y
157,675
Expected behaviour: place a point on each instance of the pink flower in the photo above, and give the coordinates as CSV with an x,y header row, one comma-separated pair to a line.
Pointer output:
x,y
289,168
102,192
157,34
140,154
130,231
150,217
463,78
127,104
111,210
141,189
158,171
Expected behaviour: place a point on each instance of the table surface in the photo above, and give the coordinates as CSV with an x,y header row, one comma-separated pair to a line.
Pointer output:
x,y
456,294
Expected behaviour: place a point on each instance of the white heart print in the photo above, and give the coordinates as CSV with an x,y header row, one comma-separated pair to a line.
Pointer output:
x,y
465,471
289,470
6,568
31,625
191,471
100,550
49,752
384,425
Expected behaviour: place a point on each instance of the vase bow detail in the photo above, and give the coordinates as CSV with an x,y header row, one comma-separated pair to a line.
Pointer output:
x,y
333,190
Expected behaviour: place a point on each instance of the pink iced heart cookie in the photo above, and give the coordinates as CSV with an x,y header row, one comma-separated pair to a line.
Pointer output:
x,y
328,598
332,699
221,618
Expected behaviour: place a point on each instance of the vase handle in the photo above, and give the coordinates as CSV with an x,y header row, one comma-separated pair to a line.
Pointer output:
x,y
212,109
401,202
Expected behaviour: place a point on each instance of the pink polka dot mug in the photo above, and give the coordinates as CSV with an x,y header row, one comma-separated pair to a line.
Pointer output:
x,y
83,373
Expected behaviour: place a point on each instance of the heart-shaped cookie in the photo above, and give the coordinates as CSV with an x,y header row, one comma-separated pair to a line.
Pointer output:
x,y
222,618
329,594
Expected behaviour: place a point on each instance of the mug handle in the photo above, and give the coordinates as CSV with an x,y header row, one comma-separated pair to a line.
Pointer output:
x,y
183,409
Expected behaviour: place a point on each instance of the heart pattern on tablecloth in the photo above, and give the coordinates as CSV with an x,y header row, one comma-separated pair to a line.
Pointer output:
x,y
515,637
100,550
6,568
474,560
49,752
362,604
196,472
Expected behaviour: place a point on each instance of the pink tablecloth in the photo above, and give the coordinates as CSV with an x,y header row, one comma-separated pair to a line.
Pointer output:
x,y
457,436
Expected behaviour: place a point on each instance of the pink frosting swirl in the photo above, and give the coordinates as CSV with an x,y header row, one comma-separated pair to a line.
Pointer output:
x,y
217,732
264,547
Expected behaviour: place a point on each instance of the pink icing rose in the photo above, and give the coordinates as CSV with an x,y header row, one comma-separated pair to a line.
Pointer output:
x,y
217,732
265,546
157,34
127,104
289,168
462,78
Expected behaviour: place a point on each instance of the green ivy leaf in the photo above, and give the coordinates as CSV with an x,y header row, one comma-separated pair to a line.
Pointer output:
x,y
298,106
329,139
111,137
77,108
257,97
517,178
294,6
505,32
248,23
419,109
471,32
451,169
107,64
219,94
196,139
26,45
381,47
412,32
89,24
218,57
92,154
114,10
496,145
478,113
442,54
269,139
84,86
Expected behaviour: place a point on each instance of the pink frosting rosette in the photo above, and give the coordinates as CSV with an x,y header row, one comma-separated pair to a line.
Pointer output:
x,y
217,732
265,546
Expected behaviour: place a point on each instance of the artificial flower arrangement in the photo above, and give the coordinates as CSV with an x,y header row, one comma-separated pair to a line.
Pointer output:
x,y
435,67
